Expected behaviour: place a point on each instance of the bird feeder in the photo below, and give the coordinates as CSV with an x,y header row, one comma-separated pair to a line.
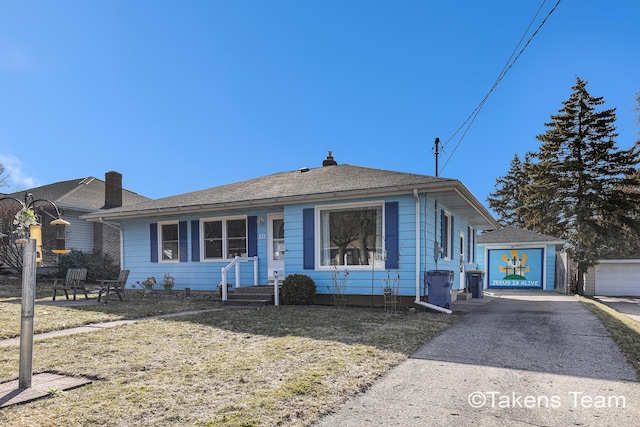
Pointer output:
x,y
35,232
60,227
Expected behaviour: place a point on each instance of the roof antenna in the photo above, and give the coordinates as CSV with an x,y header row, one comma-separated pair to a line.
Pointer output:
x,y
436,148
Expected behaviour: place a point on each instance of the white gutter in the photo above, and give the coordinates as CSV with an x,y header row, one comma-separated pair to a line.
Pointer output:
x,y
417,301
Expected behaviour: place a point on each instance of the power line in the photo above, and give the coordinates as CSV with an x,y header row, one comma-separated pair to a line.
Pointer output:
x,y
471,118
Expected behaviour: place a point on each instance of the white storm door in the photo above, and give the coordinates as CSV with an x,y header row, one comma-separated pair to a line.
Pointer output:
x,y
275,235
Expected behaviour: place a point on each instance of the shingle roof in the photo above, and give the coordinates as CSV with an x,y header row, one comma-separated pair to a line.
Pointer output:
x,y
516,235
82,194
302,182
308,184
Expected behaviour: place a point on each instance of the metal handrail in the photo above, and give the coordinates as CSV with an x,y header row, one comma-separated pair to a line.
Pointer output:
x,y
234,264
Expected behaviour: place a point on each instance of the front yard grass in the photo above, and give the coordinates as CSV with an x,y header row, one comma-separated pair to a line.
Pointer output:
x,y
51,318
272,366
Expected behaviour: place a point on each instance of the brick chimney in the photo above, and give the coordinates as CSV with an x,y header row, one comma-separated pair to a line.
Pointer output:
x,y
112,190
329,161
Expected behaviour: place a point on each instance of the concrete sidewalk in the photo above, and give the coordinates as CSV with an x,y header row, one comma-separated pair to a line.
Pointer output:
x,y
523,359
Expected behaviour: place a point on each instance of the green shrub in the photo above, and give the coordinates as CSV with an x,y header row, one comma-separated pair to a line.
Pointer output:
x,y
298,289
99,266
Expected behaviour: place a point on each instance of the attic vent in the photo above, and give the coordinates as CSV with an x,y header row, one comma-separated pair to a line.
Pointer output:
x,y
304,170
329,160
86,181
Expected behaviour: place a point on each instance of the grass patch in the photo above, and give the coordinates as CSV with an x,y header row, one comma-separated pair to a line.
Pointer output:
x,y
272,366
48,317
624,331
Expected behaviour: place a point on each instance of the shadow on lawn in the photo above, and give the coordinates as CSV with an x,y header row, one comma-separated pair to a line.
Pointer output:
x,y
400,331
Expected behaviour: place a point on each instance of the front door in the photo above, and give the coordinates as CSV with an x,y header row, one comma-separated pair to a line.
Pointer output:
x,y
275,231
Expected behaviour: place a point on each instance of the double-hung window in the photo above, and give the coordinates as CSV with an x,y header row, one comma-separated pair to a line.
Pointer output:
x,y
224,238
351,235
169,237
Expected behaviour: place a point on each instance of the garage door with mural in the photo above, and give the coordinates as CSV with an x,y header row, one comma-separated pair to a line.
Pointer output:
x,y
513,268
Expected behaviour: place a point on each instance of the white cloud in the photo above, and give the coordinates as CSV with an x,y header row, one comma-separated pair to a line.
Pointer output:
x,y
15,179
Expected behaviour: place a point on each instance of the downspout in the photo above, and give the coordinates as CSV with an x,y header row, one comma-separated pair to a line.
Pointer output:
x,y
417,301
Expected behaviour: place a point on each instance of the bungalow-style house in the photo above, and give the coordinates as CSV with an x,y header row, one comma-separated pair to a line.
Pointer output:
x,y
74,198
513,258
315,221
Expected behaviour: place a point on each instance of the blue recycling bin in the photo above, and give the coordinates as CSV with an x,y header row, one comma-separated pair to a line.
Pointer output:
x,y
438,284
475,283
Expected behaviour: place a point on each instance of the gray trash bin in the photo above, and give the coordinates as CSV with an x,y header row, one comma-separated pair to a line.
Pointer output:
x,y
475,282
439,284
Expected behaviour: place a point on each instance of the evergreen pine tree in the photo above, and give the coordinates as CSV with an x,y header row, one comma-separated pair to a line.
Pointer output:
x,y
508,197
583,188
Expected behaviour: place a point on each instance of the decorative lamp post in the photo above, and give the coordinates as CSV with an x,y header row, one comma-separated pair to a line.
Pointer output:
x,y
30,235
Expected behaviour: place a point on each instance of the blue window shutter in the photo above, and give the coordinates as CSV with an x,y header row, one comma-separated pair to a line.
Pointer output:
x,y
442,227
252,237
195,240
474,247
391,226
182,241
468,244
153,238
452,239
308,247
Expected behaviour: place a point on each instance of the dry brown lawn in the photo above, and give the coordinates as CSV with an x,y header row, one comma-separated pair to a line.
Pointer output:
x,y
283,365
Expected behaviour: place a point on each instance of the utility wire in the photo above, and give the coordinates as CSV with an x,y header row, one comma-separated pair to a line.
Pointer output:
x,y
471,118
502,73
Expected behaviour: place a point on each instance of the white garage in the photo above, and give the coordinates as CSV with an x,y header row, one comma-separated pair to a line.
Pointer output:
x,y
617,278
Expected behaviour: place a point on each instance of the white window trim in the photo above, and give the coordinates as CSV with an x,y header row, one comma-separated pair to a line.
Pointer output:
x,y
161,259
317,238
225,249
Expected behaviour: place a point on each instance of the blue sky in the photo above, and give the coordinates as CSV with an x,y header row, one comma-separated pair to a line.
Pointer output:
x,y
184,95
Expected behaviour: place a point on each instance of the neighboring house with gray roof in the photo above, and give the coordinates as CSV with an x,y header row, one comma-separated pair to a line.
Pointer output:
x,y
313,221
513,258
77,197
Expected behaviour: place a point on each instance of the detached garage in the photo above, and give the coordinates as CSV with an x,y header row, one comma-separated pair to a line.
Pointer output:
x,y
513,258
614,278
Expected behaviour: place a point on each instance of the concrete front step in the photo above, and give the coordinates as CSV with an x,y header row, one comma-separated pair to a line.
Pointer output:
x,y
251,295
253,290
247,302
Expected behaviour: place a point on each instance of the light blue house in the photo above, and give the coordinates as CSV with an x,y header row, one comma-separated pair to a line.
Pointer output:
x,y
513,258
313,221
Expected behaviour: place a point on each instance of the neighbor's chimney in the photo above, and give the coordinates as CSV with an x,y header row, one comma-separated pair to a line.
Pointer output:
x,y
112,190
329,160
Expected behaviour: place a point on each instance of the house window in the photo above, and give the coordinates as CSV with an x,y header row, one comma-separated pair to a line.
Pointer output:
x,y
447,233
351,235
170,241
224,238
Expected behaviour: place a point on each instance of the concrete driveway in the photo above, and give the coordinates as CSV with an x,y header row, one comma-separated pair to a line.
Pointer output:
x,y
523,359
626,305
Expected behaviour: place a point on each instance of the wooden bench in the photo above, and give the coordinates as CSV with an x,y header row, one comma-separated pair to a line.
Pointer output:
x,y
116,286
75,280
